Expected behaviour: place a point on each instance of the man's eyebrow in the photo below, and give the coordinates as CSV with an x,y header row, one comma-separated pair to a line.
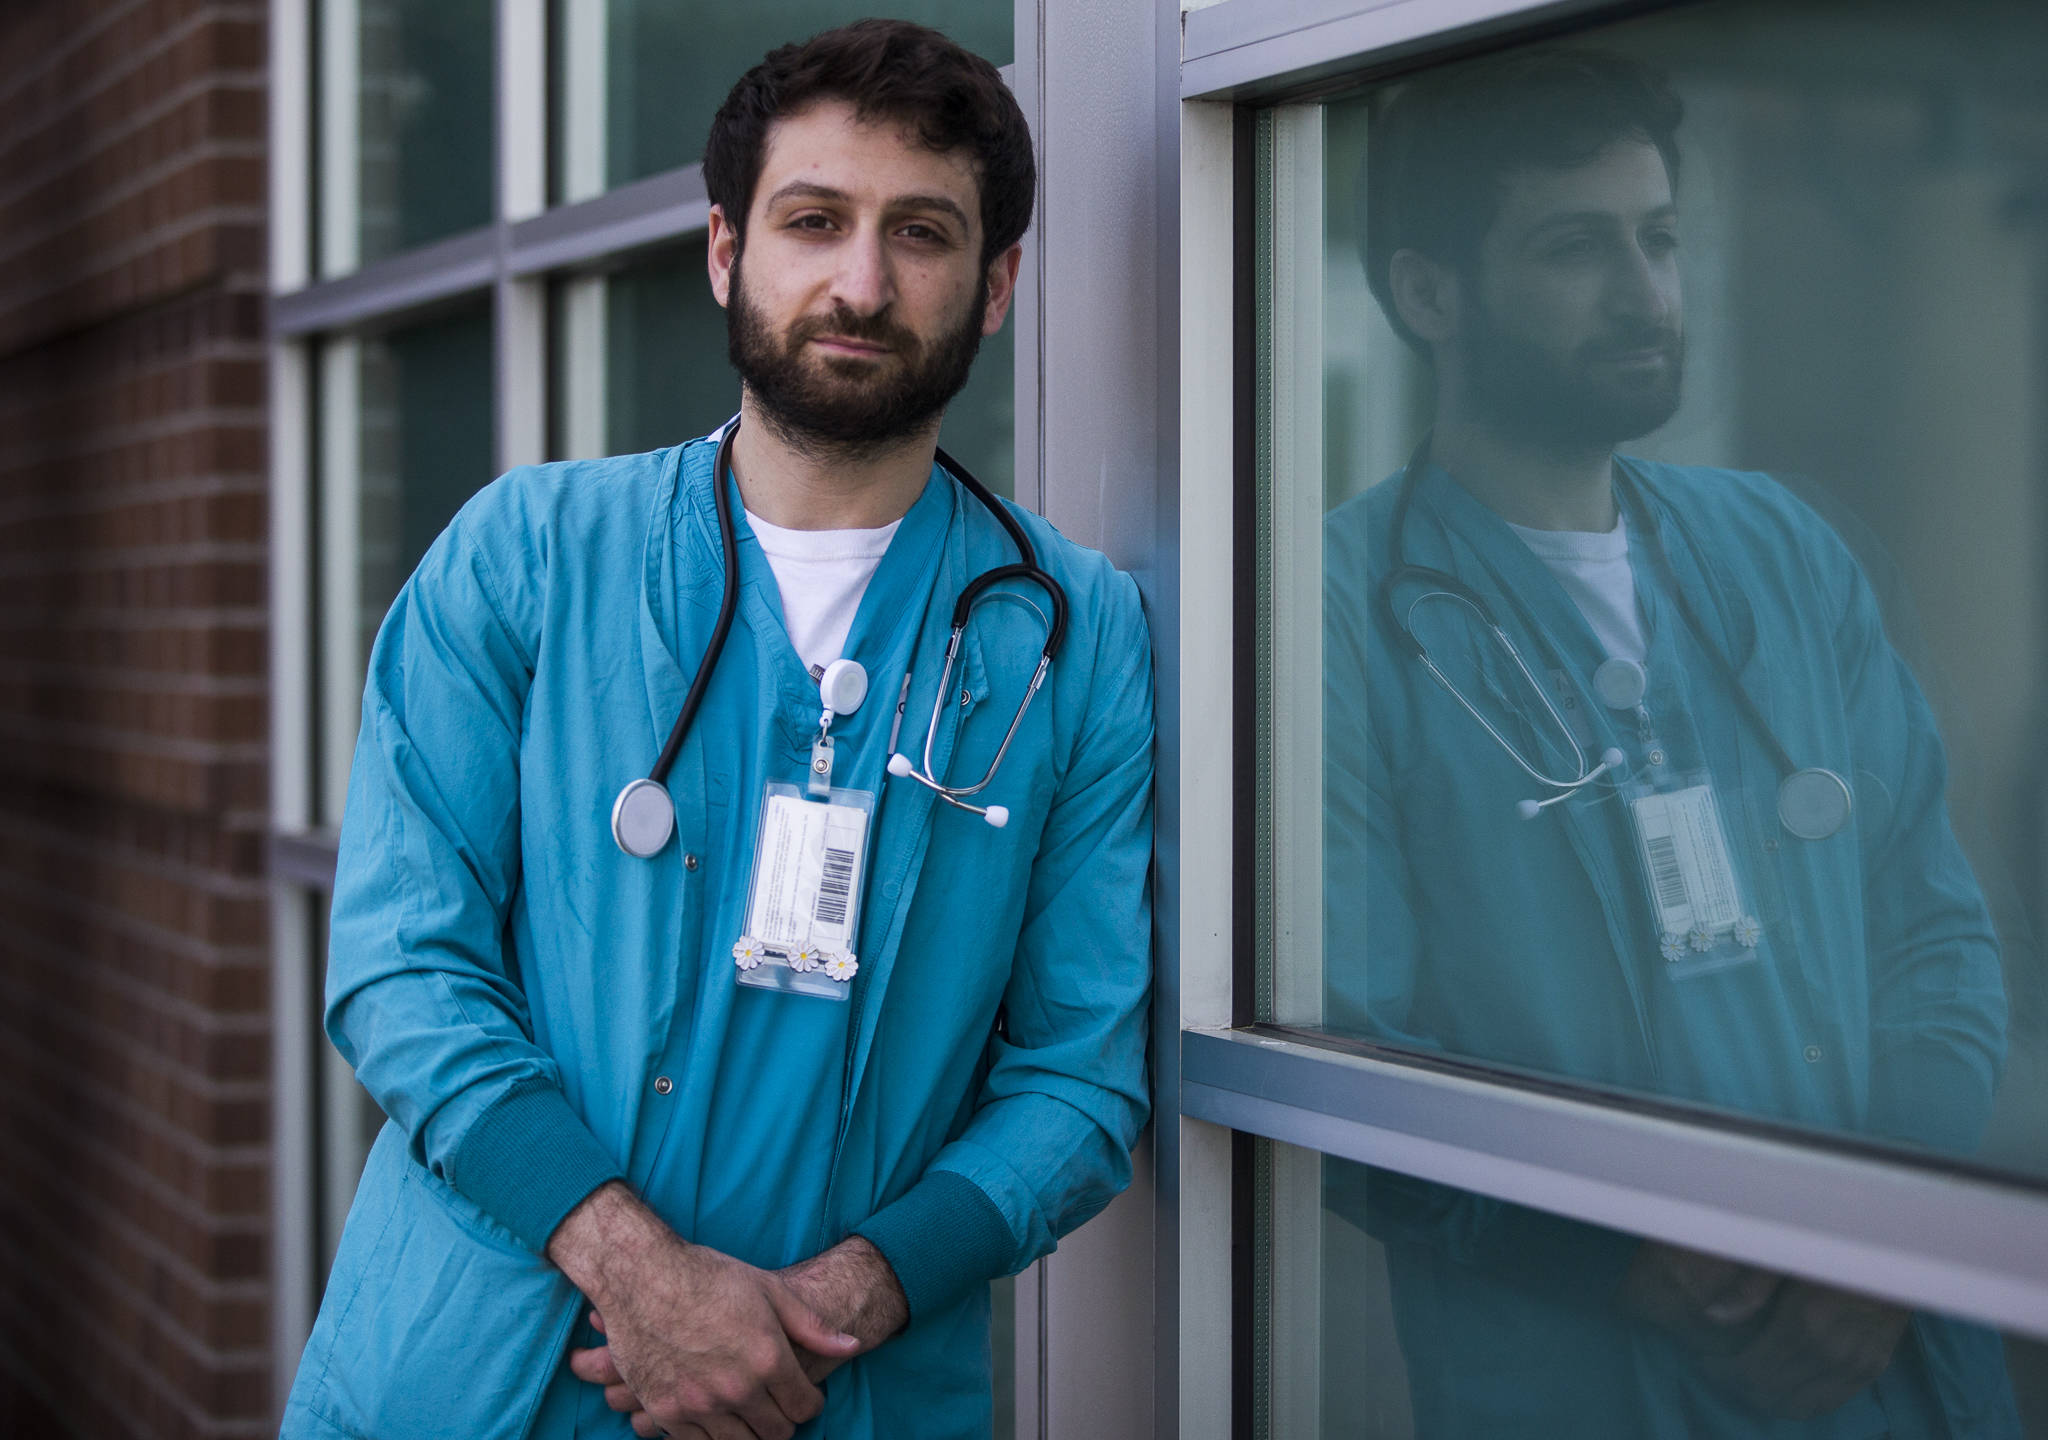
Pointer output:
x,y
1593,217
811,190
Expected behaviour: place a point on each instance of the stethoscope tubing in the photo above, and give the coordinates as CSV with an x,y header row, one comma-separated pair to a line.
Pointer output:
x,y
1026,568
728,603
1451,586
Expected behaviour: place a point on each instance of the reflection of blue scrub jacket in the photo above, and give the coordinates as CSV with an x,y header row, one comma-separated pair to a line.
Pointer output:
x,y
1874,1004
511,987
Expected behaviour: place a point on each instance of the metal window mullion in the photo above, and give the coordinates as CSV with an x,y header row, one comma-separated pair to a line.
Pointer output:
x,y
1244,47
293,1294
387,289
519,306
290,583
340,518
1200,972
1294,540
294,1046
339,138
580,129
583,345
661,208
521,108
1910,1233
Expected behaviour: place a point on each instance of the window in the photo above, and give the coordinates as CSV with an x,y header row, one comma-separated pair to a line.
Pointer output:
x,y
637,81
1398,1308
1766,980
445,308
407,432
1853,293
406,132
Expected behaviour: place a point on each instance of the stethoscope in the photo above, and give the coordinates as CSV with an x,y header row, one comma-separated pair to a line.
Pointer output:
x,y
1813,803
644,815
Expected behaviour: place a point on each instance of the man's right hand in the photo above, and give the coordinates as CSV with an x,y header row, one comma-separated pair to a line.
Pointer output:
x,y
700,1341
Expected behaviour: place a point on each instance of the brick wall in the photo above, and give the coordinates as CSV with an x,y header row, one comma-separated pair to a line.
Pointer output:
x,y
134,1111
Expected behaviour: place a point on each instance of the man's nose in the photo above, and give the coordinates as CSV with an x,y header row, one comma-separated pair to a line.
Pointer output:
x,y
863,282
1643,288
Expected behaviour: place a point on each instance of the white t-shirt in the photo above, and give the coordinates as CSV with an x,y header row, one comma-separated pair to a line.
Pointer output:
x,y
1593,568
822,574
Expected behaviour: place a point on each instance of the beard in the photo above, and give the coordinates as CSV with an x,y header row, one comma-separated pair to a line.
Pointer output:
x,y
840,405
1582,400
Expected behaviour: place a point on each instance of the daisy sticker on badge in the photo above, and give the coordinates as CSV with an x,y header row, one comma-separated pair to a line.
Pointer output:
x,y
842,968
746,952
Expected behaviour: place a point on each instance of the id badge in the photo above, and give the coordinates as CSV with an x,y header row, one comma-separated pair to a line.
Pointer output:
x,y
803,900
1705,922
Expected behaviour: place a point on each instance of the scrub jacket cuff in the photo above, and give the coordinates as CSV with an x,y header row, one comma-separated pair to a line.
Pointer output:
x,y
1933,1096
942,1238
529,1160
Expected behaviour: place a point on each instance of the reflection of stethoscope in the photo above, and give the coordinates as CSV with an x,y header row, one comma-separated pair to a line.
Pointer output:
x,y
1813,803
644,816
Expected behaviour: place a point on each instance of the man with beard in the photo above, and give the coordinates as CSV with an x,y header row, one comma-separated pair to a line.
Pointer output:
x,y
715,1107
1678,827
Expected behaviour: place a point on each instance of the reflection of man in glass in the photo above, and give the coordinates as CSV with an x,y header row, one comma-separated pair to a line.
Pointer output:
x,y
1684,832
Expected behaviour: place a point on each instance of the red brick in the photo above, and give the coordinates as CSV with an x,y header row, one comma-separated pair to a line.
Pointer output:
x,y
134,978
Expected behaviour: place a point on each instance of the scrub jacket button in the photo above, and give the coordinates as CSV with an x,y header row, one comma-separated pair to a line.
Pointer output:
x,y
890,889
1771,843
689,862
662,1084
965,699
1813,1054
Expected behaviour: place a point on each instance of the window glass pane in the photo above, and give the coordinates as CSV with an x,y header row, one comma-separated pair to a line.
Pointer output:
x,y
426,433
426,126
638,98
665,367
640,359
1393,1308
1763,391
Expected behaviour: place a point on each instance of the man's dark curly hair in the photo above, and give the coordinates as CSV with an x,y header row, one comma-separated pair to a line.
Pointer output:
x,y
1441,147
887,70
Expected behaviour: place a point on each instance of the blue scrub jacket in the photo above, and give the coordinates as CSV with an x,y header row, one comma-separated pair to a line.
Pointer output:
x,y
1875,1004
509,985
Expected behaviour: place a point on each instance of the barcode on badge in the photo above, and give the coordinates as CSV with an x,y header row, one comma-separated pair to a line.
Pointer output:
x,y
1665,874
835,887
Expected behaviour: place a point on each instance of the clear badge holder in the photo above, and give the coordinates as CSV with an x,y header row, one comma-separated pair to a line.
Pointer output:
x,y
803,898
1705,919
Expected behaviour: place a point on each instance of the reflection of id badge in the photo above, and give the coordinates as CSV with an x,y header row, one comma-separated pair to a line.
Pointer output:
x,y
1704,923
803,902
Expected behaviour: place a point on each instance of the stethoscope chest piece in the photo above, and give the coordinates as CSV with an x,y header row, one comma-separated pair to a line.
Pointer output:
x,y
643,817
1814,803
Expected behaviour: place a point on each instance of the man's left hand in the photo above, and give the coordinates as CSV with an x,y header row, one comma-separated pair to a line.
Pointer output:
x,y
1817,1348
849,1286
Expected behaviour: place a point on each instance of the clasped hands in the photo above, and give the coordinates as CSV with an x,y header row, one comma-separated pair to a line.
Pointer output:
x,y
700,1346
1788,1347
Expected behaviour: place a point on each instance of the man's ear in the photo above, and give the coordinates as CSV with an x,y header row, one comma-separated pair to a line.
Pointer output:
x,y
1002,288
1426,295
723,248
